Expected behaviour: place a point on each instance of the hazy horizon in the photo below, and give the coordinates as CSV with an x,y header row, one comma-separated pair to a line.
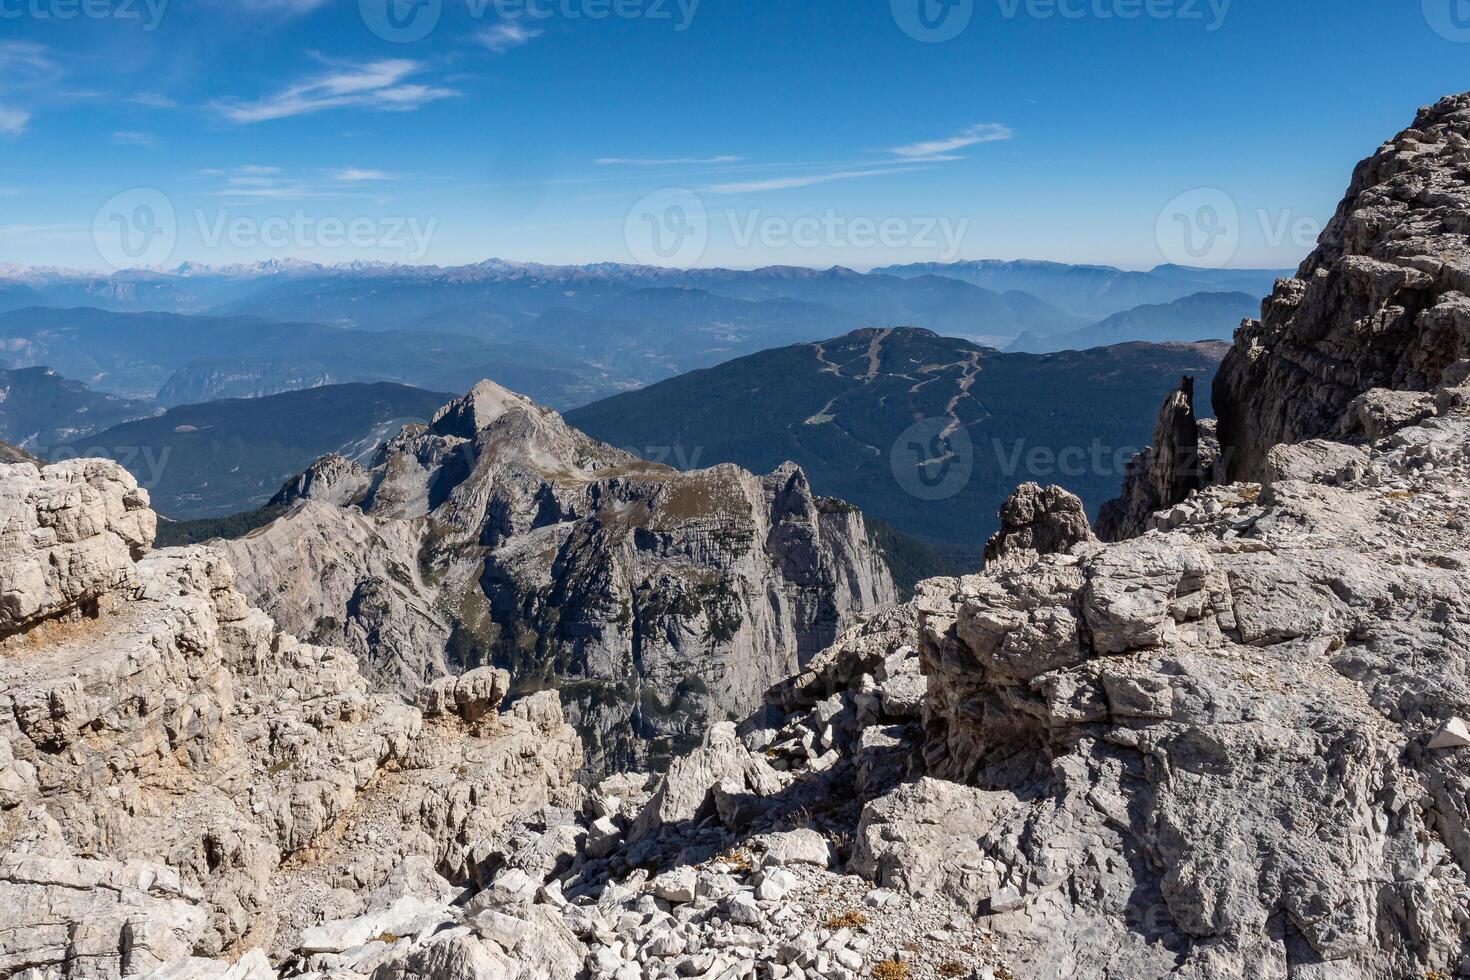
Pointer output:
x,y
688,133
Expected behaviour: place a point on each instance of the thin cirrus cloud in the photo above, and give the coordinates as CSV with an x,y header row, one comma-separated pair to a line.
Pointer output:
x,y
970,136
807,180
357,175
902,159
13,122
506,35
26,69
376,85
256,182
129,138
668,162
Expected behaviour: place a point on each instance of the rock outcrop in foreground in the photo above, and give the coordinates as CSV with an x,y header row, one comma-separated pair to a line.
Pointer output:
x,y
658,602
178,778
1232,745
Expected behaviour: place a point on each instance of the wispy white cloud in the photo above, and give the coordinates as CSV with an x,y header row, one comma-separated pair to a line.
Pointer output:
x,y
355,175
13,122
45,233
669,162
806,180
130,138
253,182
970,136
27,56
377,85
901,159
28,72
506,35
153,100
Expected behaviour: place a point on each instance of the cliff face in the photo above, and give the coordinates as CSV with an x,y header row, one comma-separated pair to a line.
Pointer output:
x,y
656,601
1381,303
1247,714
178,778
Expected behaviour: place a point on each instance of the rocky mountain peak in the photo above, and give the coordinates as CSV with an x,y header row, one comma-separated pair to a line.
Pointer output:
x,y
1381,303
498,535
481,406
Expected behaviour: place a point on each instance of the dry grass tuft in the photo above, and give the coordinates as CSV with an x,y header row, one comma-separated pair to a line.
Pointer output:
x,y
890,970
851,919
736,860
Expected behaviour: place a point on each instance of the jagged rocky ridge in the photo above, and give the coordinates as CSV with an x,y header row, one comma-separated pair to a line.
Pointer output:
x,y
178,778
657,602
1229,746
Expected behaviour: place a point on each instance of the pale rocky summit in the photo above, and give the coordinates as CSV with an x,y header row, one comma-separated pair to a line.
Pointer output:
x,y
1382,303
659,602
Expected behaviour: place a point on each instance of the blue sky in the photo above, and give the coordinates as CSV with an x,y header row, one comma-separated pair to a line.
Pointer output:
x,y
808,133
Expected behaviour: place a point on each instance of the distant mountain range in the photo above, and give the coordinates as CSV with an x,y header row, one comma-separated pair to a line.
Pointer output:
x,y
181,359
564,335
924,432
40,408
1096,291
229,456
1201,316
978,298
